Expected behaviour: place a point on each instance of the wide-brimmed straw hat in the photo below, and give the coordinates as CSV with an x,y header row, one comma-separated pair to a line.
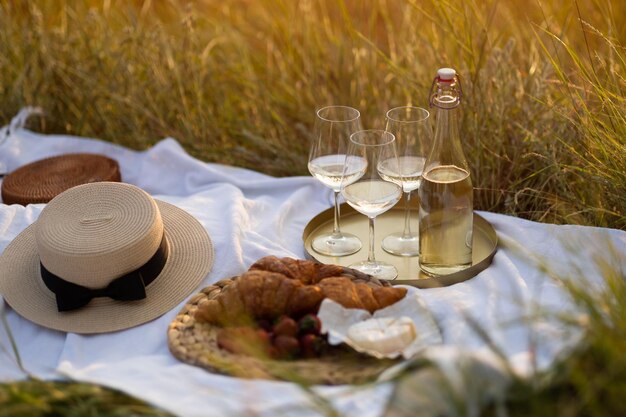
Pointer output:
x,y
103,257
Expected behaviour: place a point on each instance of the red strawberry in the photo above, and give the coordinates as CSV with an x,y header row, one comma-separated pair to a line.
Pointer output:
x,y
287,346
309,324
285,326
312,346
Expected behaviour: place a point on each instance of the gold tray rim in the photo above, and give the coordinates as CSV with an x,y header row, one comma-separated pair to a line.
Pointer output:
x,y
481,225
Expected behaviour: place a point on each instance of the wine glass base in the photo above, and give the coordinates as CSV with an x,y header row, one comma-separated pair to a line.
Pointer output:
x,y
381,270
332,245
397,244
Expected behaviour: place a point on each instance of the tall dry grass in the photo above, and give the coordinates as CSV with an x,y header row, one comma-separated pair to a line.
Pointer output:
x,y
237,82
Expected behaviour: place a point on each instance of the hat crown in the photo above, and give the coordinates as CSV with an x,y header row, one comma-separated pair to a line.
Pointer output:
x,y
94,233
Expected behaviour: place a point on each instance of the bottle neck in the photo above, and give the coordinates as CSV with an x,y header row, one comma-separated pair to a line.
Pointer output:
x,y
447,148
447,94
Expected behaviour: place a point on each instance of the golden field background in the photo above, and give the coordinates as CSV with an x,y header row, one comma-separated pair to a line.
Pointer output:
x,y
237,82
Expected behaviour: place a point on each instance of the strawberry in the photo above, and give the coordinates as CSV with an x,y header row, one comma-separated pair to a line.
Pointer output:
x,y
309,324
287,347
312,346
285,326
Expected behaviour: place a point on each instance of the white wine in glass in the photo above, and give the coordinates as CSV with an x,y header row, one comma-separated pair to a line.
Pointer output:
x,y
371,194
411,127
327,163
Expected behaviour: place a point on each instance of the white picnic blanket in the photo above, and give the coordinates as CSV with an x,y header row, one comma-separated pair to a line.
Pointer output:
x,y
250,215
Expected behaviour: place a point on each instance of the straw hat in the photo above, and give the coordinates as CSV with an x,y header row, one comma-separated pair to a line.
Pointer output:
x,y
103,257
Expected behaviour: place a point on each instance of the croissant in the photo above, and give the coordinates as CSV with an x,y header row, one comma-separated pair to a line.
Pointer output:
x,y
309,272
358,295
259,295
276,286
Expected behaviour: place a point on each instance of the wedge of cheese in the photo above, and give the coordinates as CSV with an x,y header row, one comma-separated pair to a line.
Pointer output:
x,y
384,335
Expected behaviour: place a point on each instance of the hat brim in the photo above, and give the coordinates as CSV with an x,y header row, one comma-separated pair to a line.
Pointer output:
x,y
190,259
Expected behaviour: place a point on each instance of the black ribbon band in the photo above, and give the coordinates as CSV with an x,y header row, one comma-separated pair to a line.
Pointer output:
x,y
129,287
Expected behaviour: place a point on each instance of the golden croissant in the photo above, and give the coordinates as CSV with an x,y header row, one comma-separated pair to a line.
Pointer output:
x,y
358,295
310,272
260,295
273,287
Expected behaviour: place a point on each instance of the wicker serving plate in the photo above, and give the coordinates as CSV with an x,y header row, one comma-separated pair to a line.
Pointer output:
x,y
195,343
41,181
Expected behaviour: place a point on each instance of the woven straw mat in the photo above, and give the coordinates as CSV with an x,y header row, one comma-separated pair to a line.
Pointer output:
x,y
41,181
196,343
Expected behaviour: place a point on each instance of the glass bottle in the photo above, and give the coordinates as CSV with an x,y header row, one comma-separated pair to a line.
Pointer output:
x,y
446,212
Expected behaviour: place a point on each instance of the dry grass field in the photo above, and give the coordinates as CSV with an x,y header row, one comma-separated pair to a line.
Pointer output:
x,y
238,82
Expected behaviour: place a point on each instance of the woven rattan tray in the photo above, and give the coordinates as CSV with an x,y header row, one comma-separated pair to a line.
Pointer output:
x,y
195,343
41,181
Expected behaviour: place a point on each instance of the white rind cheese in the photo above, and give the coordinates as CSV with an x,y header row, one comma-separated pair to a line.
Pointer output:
x,y
382,335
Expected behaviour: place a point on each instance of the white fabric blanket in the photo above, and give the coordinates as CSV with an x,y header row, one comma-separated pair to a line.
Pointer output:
x,y
250,215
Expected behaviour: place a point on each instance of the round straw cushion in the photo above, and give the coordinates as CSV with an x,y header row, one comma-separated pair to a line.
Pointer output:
x,y
41,181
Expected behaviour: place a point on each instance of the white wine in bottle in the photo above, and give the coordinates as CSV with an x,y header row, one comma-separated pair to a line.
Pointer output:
x,y
446,200
446,220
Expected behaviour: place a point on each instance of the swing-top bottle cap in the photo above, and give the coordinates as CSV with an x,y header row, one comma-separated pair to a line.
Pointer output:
x,y
445,92
446,74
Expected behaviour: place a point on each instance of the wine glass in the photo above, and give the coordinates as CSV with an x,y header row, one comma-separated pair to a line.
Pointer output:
x,y
411,127
371,194
327,157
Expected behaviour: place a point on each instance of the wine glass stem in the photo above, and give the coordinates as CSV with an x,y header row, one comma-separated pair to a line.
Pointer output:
x,y
370,254
336,231
406,234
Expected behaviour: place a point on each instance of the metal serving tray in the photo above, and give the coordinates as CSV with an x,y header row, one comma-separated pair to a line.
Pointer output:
x,y
485,244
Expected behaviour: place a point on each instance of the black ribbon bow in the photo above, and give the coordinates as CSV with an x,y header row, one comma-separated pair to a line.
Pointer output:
x,y
129,287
